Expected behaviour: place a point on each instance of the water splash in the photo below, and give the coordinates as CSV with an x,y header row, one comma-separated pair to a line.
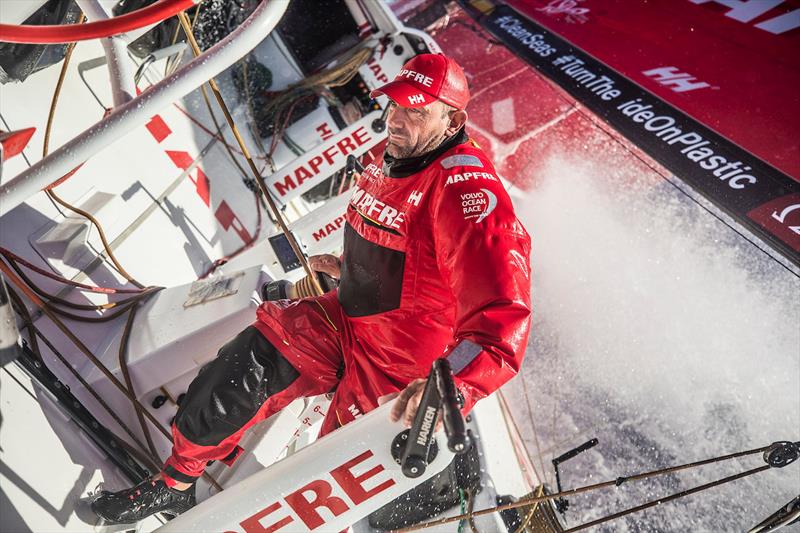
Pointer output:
x,y
663,333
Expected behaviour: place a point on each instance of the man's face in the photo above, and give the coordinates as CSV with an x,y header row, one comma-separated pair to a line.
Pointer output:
x,y
414,131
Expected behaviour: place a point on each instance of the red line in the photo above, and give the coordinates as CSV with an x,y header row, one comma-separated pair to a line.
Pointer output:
x,y
48,34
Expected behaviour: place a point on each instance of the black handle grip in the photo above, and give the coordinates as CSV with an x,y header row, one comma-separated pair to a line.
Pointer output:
x,y
575,451
352,165
458,440
415,456
379,124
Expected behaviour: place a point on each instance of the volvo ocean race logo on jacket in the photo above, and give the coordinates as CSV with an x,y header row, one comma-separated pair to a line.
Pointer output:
x,y
478,204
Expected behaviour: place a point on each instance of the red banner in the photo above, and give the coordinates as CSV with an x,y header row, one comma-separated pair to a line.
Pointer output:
x,y
732,65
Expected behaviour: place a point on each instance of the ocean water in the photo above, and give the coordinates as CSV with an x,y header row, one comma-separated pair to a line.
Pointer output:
x,y
661,332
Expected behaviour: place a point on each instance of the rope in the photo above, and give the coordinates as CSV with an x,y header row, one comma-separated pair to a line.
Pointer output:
x,y
123,364
53,316
94,307
184,20
125,305
666,499
45,148
243,173
463,503
470,510
59,84
34,333
82,286
174,61
528,518
106,246
337,76
605,484
129,305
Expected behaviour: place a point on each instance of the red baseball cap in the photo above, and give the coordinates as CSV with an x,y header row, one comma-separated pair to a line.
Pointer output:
x,y
425,78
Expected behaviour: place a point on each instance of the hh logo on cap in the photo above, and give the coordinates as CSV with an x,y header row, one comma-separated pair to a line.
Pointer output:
x,y
416,99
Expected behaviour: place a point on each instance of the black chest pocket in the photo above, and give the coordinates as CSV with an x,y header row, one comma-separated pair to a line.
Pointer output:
x,y
371,278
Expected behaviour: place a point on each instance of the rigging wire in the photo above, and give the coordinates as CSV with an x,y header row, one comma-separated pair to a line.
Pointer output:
x,y
536,442
624,479
216,136
517,437
669,498
556,398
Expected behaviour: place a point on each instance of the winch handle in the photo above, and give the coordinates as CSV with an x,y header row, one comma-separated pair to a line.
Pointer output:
x,y
458,440
414,459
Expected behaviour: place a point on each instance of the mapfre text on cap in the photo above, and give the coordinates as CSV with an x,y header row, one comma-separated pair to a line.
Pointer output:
x,y
427,81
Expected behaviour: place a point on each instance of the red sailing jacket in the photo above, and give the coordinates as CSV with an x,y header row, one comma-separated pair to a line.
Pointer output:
x,y
435,263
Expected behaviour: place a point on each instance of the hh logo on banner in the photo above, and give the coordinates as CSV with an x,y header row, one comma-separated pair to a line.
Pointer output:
x,y
678,81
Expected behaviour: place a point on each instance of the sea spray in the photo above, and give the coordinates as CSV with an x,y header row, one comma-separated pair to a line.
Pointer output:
x,y
663,333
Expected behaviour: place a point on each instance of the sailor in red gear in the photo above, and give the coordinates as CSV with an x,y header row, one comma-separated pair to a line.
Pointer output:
x,y
435,263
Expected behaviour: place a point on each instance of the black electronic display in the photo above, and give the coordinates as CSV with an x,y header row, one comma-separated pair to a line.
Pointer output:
x,y
283,250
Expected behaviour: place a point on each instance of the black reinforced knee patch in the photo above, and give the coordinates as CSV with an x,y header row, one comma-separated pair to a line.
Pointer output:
x,y
230,390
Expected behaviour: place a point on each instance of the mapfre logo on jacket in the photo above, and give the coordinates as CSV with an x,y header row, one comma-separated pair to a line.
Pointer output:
x,y
376,210
383,211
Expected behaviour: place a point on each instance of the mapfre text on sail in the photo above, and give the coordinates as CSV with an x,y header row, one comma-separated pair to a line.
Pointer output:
x,y
696,148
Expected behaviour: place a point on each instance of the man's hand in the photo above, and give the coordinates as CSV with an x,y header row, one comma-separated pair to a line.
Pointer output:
x,y
407,403
325,263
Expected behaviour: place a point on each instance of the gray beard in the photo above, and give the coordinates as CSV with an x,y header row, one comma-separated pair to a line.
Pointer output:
x,y
406,152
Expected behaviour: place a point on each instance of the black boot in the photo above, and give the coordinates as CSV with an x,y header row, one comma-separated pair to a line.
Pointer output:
x,y
148,497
